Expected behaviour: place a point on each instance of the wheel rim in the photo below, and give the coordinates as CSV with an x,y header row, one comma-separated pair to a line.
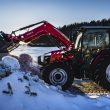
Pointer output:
x,y
108,73
58,76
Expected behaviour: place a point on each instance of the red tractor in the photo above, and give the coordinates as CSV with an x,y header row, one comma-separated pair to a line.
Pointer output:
x,y
88,57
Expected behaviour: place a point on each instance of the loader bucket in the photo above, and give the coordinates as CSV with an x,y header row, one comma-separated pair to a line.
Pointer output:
x,y
6,45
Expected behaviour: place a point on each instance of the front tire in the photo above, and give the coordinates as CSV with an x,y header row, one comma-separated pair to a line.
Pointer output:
x,y
58,73
101,73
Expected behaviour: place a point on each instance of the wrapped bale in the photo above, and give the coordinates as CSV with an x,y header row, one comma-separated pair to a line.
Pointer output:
x,y
27,64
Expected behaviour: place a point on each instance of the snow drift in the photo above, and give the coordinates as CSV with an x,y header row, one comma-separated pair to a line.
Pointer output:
x,y
24,91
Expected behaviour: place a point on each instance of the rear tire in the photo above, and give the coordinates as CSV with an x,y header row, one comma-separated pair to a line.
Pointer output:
x,y
58,73
101,74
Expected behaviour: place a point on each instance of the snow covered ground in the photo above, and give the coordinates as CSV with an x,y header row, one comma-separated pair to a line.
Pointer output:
x,y
44,97
22,91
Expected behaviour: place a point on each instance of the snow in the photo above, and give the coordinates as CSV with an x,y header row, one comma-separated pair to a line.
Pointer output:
x,y
28,92
33,51
11,62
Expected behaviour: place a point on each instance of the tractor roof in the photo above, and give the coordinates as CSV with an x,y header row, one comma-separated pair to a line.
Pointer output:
x,y
95,27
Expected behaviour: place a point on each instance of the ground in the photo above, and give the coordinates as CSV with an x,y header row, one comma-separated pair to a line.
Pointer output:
x,y
23,91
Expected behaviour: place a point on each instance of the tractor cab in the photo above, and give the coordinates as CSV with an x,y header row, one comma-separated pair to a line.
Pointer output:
x,y
92,39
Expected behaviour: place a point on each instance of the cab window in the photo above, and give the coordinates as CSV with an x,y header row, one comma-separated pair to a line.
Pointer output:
x,y
96,38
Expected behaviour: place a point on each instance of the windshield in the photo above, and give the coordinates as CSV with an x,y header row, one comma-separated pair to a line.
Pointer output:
x,y
96,38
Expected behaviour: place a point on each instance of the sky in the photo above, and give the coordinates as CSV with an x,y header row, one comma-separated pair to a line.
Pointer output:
x,y
15,14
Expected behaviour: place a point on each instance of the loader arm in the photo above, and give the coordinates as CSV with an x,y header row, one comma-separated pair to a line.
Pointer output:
x,y
45,28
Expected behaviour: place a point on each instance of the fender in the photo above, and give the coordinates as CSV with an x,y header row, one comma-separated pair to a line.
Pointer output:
x,y
99,55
